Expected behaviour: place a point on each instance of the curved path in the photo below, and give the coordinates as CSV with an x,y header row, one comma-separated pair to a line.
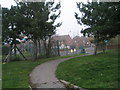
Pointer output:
x,y
43,76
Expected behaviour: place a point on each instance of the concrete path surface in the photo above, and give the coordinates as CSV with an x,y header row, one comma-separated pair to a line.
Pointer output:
x,y
43,76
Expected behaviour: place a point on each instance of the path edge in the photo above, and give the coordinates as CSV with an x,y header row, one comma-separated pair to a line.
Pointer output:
x,y
70,85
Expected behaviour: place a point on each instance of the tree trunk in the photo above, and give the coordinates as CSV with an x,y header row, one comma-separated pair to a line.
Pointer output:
x,y
95,53
35,50
58,48
10,54
97,43
104,48
15,52
96,47
39,46
45,46
49,47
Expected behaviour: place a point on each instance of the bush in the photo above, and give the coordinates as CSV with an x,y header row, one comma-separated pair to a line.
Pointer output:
x,y
5,50
16,58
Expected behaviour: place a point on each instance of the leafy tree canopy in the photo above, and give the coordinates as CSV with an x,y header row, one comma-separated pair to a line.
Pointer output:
x,y
31,19
103,19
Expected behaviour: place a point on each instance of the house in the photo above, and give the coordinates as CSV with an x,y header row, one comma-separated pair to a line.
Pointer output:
x,y
65,41
80,41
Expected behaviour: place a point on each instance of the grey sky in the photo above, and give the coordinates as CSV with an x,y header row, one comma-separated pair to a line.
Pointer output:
x,y
68,9
69,23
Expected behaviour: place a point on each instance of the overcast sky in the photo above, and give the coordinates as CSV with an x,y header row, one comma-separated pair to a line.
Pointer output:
x,y
69,23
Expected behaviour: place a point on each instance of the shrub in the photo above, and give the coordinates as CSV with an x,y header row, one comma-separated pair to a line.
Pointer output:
x,y
5,50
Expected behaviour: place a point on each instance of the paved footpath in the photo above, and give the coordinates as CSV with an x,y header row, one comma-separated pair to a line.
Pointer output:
x,y
43,76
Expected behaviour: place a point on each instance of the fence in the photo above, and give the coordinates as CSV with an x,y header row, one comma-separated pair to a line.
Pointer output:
x,y
28,51
108,47
72,51
88,49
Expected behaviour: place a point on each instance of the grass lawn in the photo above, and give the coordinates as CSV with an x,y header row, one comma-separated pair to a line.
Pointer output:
x,y
100,71
15,74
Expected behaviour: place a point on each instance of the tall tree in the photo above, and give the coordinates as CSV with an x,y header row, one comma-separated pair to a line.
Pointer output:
x,y
102,19
10,29
12,26
30,18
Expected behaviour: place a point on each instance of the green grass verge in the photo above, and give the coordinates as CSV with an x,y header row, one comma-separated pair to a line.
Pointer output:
x,y
100,71
15,74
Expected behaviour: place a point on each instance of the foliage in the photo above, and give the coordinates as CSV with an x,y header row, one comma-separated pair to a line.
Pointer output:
x,y
5,50
115,41
30,19
102,19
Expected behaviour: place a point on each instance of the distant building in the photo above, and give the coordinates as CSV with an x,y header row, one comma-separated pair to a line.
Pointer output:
x,y
65,41
80,41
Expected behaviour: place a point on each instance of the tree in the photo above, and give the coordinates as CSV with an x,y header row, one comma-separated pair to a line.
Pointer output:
x,y
44,29
50,27
31,19
102,19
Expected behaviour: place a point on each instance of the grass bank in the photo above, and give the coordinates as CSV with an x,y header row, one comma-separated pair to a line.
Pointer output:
x,y
15,74
100,71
